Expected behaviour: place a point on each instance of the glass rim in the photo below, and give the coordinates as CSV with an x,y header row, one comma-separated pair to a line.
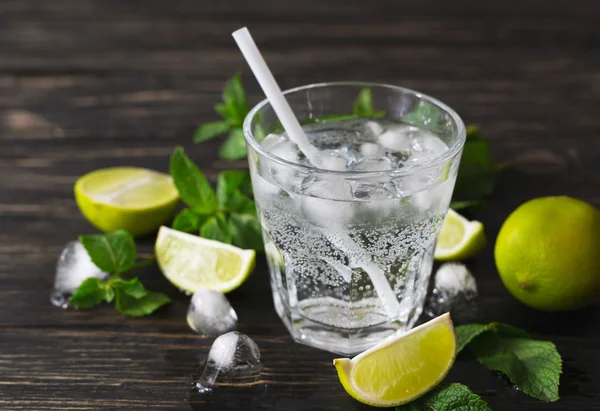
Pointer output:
x,y
404,171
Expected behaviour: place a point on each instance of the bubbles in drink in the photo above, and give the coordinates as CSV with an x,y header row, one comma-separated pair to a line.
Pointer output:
x,y
355,251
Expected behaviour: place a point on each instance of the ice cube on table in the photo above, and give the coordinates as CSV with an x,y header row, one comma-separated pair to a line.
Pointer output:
x,y
231,356
454,290
455,278
210,313
73,268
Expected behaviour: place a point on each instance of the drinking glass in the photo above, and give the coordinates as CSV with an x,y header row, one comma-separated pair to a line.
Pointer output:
x,y
350,253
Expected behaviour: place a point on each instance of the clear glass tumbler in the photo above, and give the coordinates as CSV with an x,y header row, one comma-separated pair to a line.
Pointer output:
x,y
350,261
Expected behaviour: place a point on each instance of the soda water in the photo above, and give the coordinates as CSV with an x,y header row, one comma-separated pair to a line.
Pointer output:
x,y
350,244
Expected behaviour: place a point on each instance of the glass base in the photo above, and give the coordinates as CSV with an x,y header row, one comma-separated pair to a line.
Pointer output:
x,y
343,341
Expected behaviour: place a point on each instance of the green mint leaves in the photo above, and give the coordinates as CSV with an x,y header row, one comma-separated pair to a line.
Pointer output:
x,y
227,215
233,109
364,107
534,366
454,397
476,172
112,253
194,189
115,253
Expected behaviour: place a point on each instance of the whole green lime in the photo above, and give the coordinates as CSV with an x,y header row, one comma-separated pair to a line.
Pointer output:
x,y
547,253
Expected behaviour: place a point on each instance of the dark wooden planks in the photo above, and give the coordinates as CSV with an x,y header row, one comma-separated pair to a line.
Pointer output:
x,y
87,84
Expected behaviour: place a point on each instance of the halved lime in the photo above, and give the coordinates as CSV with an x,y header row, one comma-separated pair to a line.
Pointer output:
x,y
459,239
192,263
401,368
134,199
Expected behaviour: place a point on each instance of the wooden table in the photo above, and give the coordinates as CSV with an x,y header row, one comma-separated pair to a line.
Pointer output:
x,y
86,84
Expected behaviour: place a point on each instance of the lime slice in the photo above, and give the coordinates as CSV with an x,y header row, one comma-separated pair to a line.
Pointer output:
x,y
192,263
459,239
401,368
133,199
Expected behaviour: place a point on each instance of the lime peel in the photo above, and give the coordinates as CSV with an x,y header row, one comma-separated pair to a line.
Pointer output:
x,y
401,368
133,199
459,238
192,263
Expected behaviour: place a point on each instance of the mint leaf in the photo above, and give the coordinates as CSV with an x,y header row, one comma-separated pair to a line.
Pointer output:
x,y
229,113
476,172
234,147
216,228
363,105
235,100
91,293
112,253
239,203
466,333
137,307
230,181
188,221
209,130
245,231
193,187
425,115
455,397
533,366
132,287
506,330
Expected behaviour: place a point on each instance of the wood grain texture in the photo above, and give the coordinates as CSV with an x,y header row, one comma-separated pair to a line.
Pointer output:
x,y
96,83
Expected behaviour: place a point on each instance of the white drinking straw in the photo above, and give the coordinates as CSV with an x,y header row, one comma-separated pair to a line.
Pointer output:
x,y
271,89
294,131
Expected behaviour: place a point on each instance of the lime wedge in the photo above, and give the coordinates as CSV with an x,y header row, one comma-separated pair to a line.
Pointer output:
x,y
192,263
401,368
459,239
133,199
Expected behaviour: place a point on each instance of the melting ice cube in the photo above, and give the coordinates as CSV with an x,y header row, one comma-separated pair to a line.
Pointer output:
x,y
210,313
371,150
454,290
73,268
233,356
327,203
332,160
374,164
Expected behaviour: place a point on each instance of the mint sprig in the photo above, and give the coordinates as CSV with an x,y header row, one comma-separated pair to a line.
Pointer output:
x,y
364,106
454,397
233,109
534,366
227,215
115,253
